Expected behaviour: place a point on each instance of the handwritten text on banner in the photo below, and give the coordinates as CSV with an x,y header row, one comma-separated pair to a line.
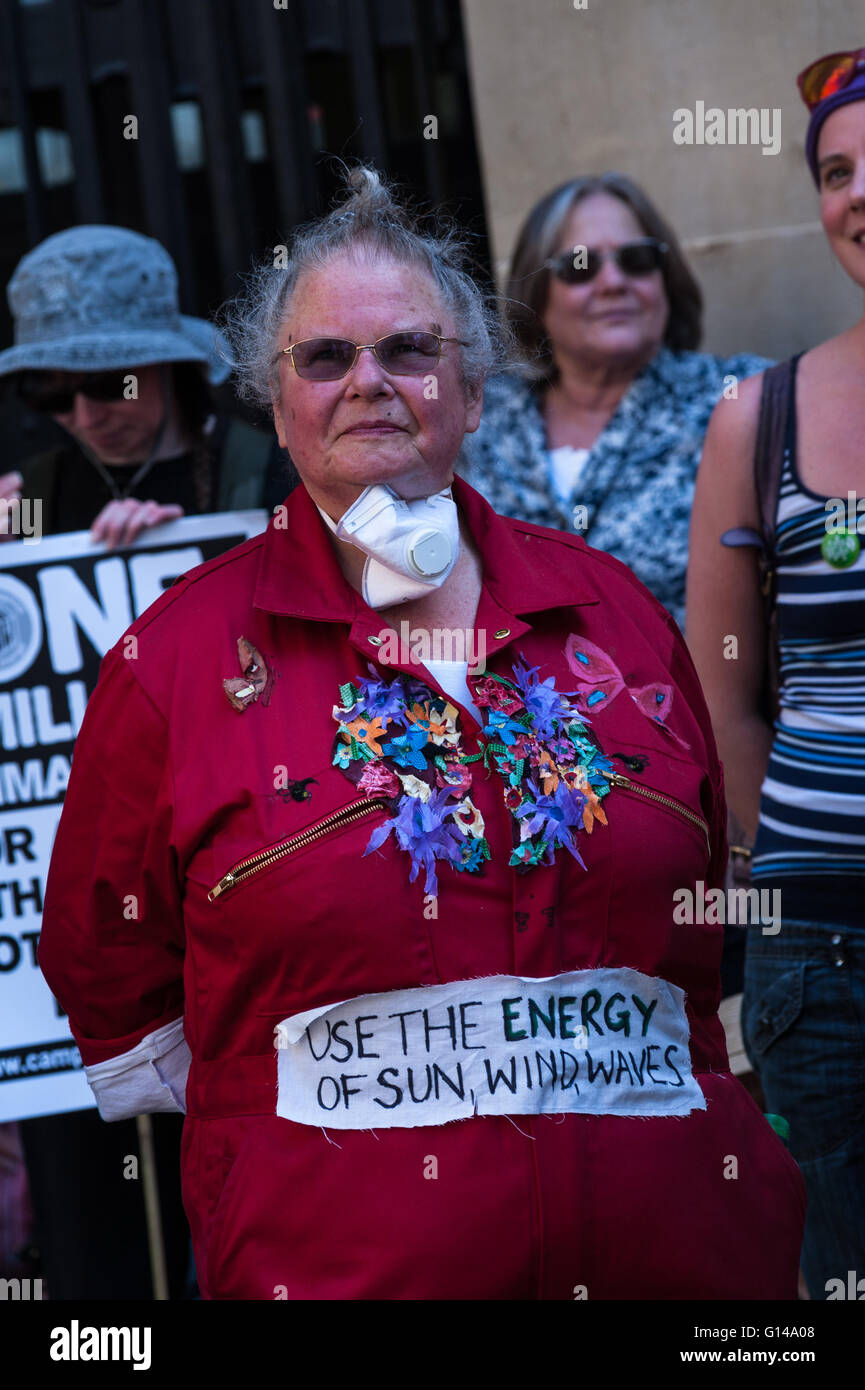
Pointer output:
x,y
595,1042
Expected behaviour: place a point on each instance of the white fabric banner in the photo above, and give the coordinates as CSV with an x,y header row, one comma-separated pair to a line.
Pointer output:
x,y
595,1042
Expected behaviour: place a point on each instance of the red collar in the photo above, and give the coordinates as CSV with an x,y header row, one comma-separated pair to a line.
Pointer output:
x,y
524,570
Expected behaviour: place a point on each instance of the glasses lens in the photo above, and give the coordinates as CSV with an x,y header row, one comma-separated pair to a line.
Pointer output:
x,y
323,359
578,267
639,257
825,77
108,386
39,392
405,354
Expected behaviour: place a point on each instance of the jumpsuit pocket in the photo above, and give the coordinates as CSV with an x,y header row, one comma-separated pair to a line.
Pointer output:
x,y
263,858
804,1040
663,799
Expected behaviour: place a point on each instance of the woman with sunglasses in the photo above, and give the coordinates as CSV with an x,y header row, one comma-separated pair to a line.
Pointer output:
x,y
401,942
601,431
102,350
796,778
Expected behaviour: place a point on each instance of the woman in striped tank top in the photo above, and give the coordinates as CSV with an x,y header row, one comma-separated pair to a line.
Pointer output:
x,y
798,785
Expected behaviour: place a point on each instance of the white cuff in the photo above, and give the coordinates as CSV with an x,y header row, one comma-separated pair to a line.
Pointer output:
x,y
148,1079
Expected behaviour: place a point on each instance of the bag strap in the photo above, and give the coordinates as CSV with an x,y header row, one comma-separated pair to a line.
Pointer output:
x,y
777,428
775,433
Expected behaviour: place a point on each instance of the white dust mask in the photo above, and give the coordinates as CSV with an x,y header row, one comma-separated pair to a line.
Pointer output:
x,y
411,546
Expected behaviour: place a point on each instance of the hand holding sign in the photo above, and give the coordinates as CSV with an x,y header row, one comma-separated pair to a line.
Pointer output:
x,y
10,491
122,521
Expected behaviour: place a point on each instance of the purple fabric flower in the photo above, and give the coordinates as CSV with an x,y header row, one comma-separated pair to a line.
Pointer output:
x,y
379,697
544,703
551,817
419,827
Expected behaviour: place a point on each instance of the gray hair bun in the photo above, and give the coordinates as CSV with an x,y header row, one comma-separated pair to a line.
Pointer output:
x,y
373,219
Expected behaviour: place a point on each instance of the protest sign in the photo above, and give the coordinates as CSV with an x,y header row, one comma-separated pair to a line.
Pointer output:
x,y
593,1042
63,602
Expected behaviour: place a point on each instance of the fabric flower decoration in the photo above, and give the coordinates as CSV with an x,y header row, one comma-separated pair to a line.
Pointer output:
x,y
378,780
367,732
549,820
342,756
419,827
547,770
533,737
418,714
543,702
444,732
475,851
468,819
413,786
405,748
504,728
493,693
456,775
378,697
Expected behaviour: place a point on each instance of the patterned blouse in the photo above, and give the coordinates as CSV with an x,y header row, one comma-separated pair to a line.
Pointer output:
x,y
637,485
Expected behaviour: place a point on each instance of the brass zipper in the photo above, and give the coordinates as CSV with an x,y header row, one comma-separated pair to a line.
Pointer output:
x,y
619,781
356,810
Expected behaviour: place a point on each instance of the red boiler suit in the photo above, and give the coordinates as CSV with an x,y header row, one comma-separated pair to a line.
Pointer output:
x,y
171,787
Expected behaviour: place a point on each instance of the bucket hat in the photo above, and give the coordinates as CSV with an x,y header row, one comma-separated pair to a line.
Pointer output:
x,y
98,298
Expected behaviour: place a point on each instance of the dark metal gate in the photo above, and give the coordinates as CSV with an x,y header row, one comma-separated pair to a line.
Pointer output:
x,y
205,123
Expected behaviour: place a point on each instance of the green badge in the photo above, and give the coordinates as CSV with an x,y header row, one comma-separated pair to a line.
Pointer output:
x,y
840,548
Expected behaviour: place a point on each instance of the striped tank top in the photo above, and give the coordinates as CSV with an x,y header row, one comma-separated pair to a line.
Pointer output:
x,y
811,835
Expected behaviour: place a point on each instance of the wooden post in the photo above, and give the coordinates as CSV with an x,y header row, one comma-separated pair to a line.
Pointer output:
x,y
152,1214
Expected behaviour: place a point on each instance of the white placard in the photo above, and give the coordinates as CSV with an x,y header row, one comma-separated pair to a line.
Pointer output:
x,y
593,1042
63,602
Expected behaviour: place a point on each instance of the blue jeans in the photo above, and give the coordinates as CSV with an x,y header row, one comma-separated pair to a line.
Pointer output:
x,y
803,1023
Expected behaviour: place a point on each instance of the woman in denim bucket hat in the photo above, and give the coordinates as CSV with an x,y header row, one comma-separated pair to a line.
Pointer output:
x,y
794,438
101,346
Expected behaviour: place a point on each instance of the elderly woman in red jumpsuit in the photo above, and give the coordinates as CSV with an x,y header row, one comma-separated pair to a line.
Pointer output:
x,y
387,854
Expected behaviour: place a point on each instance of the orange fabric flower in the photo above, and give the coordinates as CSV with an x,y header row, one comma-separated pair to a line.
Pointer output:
x,y
367,732
548,772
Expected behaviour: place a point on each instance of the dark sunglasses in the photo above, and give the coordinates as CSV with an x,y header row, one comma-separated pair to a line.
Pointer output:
x,y
634,258
828,75
402,354
36,390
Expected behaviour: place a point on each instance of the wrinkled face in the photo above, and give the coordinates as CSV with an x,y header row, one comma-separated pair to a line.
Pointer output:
x,y
841,164
118,432
615,318
371,426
